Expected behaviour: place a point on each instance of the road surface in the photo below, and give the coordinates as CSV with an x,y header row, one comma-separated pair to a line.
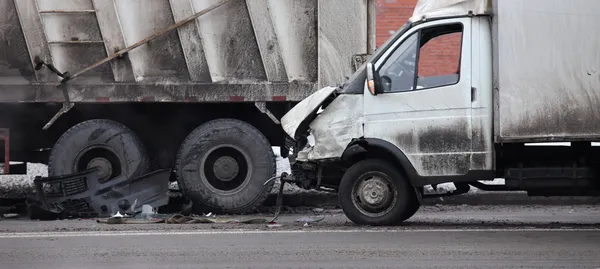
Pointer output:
x,y
306,249
453,237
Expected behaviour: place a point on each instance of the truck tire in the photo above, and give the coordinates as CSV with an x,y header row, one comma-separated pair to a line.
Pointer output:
x,y
106,144
222,167
374,192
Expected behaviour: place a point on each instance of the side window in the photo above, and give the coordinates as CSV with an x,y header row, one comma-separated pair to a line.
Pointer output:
x,y
398,71
437,52
439,56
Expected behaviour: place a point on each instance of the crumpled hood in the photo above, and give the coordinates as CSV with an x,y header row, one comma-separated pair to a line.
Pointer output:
x,y
297,120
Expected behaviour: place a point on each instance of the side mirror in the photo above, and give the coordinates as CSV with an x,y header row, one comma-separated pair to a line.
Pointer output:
x,y
372,78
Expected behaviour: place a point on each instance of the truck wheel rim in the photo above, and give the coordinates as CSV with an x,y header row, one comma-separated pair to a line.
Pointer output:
x,y
226,169
374,194
101,157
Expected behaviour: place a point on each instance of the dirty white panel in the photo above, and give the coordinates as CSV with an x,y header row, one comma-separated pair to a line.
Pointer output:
x,y
306,108
112,35
65,5
71,27
482,105
343,29
191,42
37,45
15,66
271,52
336,126
74,37
548,61
161,59
76,57
448,8
295,26
229,43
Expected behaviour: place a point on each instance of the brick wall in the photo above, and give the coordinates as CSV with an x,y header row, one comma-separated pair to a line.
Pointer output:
x,y
439,57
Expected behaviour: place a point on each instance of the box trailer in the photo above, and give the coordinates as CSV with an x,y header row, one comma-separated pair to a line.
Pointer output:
x,y
525,72
194,88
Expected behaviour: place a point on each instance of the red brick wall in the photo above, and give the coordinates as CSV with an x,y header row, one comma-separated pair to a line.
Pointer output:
x,y
439,57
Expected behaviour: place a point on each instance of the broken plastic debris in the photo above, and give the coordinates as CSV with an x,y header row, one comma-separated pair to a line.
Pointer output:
x,y
310,219
273,225
147,209
10,216
118,215
318,210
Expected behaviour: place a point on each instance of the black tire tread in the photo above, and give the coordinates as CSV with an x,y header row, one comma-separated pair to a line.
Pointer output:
x,y
248,128
393,218
84,125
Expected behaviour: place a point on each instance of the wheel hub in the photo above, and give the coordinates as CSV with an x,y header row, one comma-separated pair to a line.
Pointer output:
x,y
104,166
226,168
375,193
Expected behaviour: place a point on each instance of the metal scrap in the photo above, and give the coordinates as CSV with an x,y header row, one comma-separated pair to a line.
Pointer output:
x,y
82,195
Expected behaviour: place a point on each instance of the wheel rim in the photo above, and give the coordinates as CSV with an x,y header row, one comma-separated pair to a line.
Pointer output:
x,y
226,169
374,195
103,158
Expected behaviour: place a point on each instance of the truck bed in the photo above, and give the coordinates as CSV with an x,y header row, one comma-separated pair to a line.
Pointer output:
x,y
547,70
246,50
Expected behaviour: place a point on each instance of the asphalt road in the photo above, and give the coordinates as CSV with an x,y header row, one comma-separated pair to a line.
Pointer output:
x,y
437,237
306,249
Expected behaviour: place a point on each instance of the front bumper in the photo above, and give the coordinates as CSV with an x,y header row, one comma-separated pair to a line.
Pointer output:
x,y
82,195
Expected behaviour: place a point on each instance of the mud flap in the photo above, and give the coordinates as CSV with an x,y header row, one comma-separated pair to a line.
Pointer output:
x,y
81,195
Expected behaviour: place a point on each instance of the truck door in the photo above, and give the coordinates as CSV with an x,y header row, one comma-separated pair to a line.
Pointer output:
x,y
425,107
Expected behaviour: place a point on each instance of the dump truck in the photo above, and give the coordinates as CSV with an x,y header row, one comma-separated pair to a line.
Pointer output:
x,y
525,76
121,97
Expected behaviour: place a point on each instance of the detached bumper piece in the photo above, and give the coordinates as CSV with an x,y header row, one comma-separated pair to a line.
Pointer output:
x,y
82,195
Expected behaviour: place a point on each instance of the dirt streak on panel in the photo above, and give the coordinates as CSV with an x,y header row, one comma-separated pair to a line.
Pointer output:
x,y
342,33
160,60
191,42
32,28
295,23
229,42
15,67
270,50
110,28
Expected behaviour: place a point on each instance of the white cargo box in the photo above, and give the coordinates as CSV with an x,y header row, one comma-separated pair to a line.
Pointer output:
x,y
546,70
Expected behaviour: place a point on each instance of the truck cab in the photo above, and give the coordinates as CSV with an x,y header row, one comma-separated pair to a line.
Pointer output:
x,y
395,127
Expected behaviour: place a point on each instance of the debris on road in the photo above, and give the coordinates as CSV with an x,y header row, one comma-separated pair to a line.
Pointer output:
x,y
310,219
178,219
83,195
274,225
10,216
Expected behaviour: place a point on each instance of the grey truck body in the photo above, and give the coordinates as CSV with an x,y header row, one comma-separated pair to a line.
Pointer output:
x,y
255,50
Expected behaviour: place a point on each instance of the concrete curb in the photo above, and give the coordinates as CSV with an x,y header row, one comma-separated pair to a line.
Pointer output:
x,y
317,199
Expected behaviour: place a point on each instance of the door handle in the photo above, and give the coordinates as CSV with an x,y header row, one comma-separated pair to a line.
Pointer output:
x,y
473,94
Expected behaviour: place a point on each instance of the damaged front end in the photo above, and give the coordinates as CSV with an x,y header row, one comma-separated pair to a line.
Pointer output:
x,y
84,195
319,130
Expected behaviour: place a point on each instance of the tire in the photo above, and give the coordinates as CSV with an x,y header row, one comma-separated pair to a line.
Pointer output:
x,y
222,167
104,143
395,199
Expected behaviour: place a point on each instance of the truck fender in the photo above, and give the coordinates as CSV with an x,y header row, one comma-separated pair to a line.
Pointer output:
x,y
387,149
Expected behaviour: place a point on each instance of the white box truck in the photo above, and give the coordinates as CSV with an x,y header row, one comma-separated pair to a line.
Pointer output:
x,y
528,72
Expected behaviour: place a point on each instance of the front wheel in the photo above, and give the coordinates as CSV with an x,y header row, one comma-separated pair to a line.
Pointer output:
x,y
373,192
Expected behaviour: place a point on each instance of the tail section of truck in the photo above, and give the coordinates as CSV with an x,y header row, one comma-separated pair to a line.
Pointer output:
x,y
203,99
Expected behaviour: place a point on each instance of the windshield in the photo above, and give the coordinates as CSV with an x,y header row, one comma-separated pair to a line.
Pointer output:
x,y
354,84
